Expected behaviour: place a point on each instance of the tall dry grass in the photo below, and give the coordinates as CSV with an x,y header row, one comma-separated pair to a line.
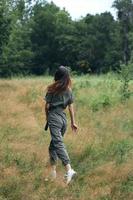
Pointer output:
x,y
101,152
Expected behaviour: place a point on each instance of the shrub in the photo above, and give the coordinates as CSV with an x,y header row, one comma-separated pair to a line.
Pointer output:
x,y
100,102
126,74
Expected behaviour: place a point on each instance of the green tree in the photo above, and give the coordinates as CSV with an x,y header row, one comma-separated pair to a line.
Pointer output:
x,y
125,17
5,22
37,36
17,54
65,40
43,36
99,46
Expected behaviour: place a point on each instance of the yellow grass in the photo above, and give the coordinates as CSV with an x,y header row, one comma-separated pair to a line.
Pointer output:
x,y
24,146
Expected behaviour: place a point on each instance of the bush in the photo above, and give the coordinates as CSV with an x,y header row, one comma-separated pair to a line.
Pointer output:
x,y
100,102
126,74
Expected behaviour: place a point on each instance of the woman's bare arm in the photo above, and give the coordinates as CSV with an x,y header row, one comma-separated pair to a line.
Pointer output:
x,y
71,112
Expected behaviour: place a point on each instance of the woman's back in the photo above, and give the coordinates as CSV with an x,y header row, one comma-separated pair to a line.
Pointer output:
x,y
59,100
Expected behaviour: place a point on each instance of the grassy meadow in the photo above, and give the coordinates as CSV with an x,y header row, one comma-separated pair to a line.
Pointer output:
x,y
101,152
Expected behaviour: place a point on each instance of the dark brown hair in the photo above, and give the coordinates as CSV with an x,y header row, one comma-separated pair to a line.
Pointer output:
x,y
62,81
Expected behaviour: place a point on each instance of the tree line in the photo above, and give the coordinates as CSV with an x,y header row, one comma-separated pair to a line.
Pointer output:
x,y
36,37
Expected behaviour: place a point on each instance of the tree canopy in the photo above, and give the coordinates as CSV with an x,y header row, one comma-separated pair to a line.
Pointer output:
x,y
37,38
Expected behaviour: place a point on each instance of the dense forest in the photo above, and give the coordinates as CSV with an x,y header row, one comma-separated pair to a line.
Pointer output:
x,y
36,37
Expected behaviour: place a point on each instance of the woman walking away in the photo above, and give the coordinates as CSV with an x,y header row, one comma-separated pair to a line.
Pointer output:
x,y
58,98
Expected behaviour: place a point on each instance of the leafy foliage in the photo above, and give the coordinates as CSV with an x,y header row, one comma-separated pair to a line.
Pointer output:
x,y
126,74
35,38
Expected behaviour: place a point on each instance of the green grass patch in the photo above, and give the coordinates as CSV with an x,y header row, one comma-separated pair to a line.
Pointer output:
x,y
11,189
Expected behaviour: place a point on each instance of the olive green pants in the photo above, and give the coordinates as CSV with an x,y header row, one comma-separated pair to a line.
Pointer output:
x,y
57,125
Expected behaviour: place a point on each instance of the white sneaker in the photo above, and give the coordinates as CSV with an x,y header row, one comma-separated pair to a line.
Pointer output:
x,y
53,174
70,175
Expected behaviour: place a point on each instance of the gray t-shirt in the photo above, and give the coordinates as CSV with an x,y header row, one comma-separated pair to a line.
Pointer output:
x,y
60,100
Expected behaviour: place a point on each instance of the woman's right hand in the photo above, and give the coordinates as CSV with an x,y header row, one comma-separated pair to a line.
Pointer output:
x,y
74,127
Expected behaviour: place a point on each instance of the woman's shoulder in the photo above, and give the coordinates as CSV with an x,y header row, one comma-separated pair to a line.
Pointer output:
x,y
69,96
68,91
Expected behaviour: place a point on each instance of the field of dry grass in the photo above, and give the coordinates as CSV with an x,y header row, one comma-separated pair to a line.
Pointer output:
x,y
101,152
